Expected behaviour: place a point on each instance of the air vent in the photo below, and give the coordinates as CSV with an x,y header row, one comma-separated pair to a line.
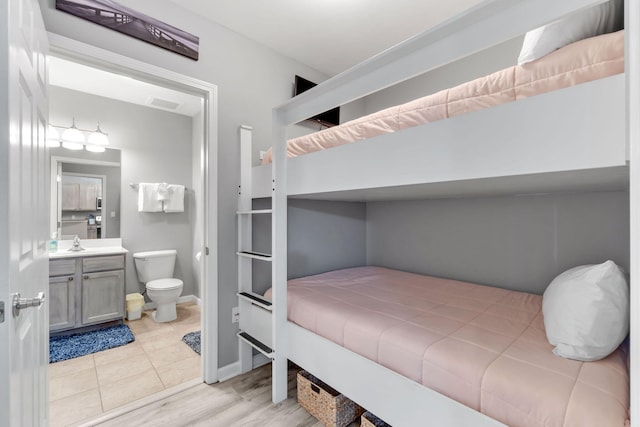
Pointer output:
x,y
164,104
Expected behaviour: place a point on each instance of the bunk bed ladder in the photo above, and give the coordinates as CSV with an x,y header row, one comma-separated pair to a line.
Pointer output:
x,y
255,311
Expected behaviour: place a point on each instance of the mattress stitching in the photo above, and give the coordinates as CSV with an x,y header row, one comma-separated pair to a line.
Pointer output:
x,y
500,355
424,354
532,82
574,70
608,393
573,388
522,411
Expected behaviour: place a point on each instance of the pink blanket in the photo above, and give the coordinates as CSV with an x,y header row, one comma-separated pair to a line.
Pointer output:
x,y
482,346
579,62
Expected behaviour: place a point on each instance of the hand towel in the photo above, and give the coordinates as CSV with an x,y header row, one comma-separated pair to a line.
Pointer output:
x,y
175,202
148,198
163,191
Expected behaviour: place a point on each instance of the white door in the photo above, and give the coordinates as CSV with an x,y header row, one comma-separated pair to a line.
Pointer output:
x,y
24,211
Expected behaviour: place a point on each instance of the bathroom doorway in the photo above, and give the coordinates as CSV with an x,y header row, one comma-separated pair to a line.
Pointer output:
x,y
197,310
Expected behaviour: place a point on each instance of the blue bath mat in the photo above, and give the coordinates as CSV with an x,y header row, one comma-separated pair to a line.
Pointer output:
x,y
192,339
71,346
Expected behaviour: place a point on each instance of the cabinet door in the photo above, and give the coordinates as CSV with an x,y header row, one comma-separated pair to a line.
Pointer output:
x,y
62,300
88,197
70,196
102,296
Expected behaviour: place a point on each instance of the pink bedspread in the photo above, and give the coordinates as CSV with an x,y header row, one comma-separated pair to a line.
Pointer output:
x,y
482,346
579,62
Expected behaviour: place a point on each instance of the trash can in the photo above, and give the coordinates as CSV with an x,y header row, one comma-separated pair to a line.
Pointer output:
x,y
134,306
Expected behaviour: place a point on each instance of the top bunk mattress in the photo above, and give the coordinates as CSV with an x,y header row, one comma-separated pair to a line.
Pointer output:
x,y
482,346
586,60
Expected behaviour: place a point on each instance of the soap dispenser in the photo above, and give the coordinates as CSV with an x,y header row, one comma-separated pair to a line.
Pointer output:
x,y
53,243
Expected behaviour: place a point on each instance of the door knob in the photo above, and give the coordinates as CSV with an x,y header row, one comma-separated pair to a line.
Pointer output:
x,y
22,303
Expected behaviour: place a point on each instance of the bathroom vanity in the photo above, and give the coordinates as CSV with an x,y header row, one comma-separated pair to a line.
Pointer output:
x,y
86,287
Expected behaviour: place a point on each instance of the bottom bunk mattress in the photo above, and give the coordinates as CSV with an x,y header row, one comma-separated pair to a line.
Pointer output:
x,y
482,346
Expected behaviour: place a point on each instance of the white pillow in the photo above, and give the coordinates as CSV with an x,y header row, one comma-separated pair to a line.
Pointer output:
x,y
601,19
586,311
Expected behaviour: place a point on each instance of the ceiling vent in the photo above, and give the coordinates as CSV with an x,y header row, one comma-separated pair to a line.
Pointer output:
x,y
163,103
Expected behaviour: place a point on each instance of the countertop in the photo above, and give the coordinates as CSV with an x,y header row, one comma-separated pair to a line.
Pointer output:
x,y
64,253
93,247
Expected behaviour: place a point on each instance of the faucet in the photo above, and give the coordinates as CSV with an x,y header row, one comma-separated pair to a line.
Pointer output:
x,y
76,245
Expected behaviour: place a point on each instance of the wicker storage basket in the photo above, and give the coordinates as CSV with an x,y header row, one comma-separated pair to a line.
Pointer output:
x,y
326,404
370,420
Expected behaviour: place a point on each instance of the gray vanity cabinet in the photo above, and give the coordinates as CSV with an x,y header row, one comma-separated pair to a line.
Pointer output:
x,y
86,291
102,296
62,299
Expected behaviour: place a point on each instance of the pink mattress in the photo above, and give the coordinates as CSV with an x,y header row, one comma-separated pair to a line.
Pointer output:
x,y
482,346
580,62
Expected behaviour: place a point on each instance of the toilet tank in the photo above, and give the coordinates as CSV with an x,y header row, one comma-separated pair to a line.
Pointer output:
x,y
154,265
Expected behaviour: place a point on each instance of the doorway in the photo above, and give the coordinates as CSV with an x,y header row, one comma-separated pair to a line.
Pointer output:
x,y
205,178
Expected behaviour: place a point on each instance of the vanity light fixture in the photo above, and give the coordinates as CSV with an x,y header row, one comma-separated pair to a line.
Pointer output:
x,y
95,148
97,137
74,138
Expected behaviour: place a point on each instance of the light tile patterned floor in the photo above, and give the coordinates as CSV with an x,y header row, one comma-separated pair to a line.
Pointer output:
x,y
87,386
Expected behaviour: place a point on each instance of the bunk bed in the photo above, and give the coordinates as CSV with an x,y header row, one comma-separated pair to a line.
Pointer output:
x,y
582,61
581,139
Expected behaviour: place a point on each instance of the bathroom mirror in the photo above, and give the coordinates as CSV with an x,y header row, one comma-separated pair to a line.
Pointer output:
x,y
85,194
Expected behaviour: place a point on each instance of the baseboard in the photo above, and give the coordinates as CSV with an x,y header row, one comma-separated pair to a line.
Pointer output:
x,y
260,360
183,299
233,369
229,371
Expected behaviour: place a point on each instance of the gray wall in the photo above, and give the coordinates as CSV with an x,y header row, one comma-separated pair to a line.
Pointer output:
x,y
155,147
321,236
519,243
251,80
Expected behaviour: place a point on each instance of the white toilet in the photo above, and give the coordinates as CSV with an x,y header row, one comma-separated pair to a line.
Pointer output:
x,y
155,270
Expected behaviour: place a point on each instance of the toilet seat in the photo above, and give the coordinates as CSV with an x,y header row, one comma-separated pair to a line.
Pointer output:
x,y
164,284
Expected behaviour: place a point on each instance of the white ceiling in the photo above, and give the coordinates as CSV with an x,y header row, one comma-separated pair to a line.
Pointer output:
x,y
72,75
328,35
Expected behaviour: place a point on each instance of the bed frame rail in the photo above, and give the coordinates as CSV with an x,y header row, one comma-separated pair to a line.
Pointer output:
x,y
394,398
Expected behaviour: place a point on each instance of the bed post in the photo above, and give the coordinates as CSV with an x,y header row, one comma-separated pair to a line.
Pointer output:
x,y
632,73
279,262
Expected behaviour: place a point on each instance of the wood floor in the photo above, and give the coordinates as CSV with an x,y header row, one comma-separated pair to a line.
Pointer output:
x,y
241,401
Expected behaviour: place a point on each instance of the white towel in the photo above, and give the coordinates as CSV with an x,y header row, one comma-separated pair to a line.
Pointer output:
x,y
175,201
148,198
163,191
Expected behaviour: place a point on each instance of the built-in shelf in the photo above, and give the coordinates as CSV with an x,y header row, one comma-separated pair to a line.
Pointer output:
x,y
256,299
255,212
254,255
262,348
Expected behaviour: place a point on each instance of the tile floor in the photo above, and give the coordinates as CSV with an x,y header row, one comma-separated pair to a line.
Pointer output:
x,y
87,386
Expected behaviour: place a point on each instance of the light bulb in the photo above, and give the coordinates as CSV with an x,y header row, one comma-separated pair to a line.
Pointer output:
x,y
95,148
98,137
72,135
